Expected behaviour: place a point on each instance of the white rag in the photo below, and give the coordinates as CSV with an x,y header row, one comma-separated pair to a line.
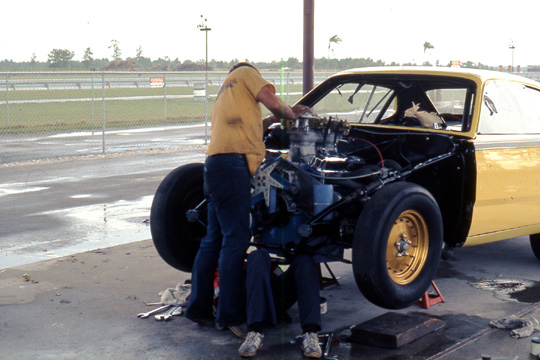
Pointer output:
x,y
520,327
177,296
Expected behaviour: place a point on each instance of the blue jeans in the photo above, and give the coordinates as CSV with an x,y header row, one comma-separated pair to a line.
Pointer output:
x,y
268,295
227,187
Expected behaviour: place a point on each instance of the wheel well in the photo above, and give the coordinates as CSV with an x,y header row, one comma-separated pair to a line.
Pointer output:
x,y
452,182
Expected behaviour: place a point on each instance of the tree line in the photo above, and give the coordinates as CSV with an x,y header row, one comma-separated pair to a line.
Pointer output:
x,y
62,59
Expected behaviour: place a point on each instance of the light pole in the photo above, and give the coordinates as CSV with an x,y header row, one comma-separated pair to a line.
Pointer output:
x,y
512,47
206,29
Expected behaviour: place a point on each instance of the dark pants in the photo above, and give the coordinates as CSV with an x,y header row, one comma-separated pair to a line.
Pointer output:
x,y
228,192
268,296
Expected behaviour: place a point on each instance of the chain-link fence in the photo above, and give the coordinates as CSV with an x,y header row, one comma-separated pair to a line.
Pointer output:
x,y
64,114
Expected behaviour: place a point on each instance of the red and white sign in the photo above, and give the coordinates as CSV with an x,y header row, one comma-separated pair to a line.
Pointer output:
x,y
157,82
455,64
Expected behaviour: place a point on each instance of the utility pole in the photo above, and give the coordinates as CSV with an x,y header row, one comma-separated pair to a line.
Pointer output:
x,y
309,56
512,47
206,29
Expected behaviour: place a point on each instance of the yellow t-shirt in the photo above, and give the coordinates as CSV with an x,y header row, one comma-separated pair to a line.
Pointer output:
x,y
237,117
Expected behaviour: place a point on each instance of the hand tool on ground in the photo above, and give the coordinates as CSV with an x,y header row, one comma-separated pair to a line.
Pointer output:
x,y
329,340
167,315
328,343
153,304
152,312
179,311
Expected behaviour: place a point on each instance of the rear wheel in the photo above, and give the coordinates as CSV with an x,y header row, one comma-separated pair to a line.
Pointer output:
x,y
397,245
535,244
179,195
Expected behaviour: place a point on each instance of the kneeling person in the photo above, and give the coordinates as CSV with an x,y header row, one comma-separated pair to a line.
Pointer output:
x,y
269,297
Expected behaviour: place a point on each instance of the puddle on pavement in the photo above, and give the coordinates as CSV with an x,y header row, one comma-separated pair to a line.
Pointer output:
x,y
85,228
525,291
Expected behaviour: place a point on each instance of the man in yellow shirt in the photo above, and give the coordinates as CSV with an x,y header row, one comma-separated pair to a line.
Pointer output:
x,y
234,154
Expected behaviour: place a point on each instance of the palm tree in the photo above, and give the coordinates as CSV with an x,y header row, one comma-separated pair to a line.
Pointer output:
x,y
334,39
427,45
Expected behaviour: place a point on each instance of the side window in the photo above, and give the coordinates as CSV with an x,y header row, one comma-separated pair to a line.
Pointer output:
x,y
509,108
530,106
450,103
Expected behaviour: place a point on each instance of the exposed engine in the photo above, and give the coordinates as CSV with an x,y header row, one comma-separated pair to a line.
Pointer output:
x,y
311,188
313,138
295,188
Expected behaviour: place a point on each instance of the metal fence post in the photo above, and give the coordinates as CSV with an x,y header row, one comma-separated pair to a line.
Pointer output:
x,y
206,106
288,79
164,98
103,111
281,82
7,99
93,124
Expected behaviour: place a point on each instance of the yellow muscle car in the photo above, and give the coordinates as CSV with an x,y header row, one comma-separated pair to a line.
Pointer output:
x,y
391,163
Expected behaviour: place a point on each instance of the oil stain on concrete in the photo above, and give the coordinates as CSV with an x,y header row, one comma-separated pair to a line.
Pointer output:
x,y
524,291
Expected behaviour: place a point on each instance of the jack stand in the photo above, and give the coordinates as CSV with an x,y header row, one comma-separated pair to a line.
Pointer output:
x,y
428,299
324,281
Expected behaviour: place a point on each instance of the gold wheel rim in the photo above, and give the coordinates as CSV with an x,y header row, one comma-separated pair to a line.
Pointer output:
x,y
407,247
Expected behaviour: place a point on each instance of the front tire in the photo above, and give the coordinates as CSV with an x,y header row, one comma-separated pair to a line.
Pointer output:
x,y
397,245
535,244
177,239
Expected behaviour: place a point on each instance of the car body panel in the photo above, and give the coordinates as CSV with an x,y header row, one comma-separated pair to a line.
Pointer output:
x,y
508,192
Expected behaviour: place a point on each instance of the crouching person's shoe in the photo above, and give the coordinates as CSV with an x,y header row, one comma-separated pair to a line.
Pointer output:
x,y
253,342
310,345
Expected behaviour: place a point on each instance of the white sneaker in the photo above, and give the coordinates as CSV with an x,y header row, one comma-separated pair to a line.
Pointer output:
x,y
310,345
253,342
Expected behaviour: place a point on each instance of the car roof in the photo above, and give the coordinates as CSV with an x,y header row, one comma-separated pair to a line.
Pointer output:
x,y
478,75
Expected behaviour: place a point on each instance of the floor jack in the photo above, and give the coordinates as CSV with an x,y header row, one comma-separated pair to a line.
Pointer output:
x,y
428,299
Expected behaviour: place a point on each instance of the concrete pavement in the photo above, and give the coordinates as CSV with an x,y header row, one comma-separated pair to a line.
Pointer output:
x,y
84,306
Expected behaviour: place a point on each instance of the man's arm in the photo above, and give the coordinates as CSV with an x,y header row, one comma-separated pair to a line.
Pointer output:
x,y
277,107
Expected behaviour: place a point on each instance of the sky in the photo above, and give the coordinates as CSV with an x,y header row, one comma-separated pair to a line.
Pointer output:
x,y
388,30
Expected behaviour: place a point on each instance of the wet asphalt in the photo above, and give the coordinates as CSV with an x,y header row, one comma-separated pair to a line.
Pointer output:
x,y
82,295
52,208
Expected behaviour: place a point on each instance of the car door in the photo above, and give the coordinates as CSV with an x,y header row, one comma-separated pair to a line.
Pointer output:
x,y
507,150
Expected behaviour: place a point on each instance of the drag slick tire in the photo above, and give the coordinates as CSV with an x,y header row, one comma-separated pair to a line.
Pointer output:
x,y
176,239
535,244
397,245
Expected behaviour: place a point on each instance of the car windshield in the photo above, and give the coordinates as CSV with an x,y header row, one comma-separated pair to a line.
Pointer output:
x,y
357,103
393,101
